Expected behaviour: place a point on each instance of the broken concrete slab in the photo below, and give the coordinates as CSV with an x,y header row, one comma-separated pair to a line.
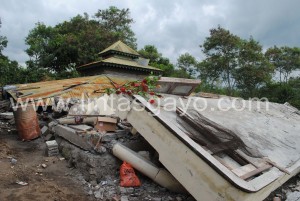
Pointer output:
x,y
71,120
81,127
71,135
202,173
51,125
177,86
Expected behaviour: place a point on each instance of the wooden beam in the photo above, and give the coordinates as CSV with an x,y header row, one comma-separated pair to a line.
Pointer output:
x,y
255,172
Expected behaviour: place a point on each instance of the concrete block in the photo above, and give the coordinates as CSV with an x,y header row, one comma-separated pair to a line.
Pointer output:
x,y
70,135
52,148
51,143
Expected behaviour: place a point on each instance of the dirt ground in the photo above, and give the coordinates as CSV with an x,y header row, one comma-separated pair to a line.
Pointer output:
x,y
55,182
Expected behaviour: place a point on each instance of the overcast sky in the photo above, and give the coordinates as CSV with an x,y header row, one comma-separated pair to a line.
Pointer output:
x,y
173,26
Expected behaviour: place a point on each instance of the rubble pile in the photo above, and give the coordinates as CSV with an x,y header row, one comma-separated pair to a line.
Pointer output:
x,y
86,142
7,121
178,154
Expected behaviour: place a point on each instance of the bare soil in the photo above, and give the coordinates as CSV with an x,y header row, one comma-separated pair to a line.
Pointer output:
x,y
51,183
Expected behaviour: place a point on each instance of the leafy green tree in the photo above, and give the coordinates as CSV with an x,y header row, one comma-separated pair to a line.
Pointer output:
x,y
285,60
41,46
283,92
150,52
210,73
3,41
10,71
117,24
254,70
157,60
188,63
221,49
77,41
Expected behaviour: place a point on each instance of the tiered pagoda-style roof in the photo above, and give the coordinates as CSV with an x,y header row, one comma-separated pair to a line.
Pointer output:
x,y
119,55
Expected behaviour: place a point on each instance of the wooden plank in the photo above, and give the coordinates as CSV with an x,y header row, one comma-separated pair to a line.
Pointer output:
x,y
255,172
223,162
240,171
277,166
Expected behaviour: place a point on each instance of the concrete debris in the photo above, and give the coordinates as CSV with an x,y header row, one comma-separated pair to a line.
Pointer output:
x,y
4,106
72,136
294,196
45,130
22,183
95,143
124,198
81,127
52,148
6,116
51,125
99,193
13,161
48,137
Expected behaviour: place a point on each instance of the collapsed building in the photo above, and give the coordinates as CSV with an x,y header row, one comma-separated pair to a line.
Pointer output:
x,y
211,147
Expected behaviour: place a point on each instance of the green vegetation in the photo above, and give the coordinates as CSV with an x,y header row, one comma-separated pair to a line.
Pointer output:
x,y
231,65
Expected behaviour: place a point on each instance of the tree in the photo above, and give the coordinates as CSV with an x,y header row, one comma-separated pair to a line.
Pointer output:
x,y
157,60
77,41
285,60
3,41
210,73
10,71
221,49
188,63
117,23
254,70
41,42
150,52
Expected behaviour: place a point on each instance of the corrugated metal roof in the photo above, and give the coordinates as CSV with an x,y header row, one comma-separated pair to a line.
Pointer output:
x,y
133,63
122,62
87,87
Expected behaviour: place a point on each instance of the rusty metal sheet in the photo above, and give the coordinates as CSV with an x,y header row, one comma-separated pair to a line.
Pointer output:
x,y
86,87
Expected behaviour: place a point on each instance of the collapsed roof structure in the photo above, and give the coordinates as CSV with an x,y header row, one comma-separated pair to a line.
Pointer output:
x,y
216,147
199,150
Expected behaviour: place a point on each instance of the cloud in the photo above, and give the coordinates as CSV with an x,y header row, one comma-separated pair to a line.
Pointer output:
x,y
173,26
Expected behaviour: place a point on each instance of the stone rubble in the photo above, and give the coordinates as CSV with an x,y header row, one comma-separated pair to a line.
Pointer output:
x,y
98,170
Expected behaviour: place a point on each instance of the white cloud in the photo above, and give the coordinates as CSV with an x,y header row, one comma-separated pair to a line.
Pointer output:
x,y
173,26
